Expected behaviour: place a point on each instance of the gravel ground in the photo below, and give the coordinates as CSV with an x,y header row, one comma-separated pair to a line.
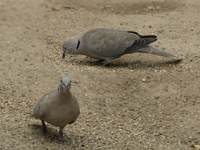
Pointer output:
x,y
138,101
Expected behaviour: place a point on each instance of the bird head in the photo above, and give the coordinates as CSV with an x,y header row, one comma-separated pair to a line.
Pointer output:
x,y
70,47
65,84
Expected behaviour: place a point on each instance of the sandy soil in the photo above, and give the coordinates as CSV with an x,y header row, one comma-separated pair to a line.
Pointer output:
x,y
139,101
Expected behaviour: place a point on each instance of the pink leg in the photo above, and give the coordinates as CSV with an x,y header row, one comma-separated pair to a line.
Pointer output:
x,y
61,136
105,63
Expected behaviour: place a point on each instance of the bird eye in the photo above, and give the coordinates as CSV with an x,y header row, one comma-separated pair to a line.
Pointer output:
x,y
65,47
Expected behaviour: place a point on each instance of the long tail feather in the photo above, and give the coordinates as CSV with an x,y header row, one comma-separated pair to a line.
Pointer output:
x,y
152,50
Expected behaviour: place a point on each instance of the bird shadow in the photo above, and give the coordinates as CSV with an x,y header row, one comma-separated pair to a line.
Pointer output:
x,y
53,135
132,64
142,64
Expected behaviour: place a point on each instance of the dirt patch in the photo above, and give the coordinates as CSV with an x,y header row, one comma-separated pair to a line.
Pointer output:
x,y
138,101
121,8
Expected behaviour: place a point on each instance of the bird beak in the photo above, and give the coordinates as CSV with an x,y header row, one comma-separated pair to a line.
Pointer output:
x,y
66,87
63,56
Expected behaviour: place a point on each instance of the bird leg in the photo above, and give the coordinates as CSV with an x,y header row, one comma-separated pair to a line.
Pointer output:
x,y
105,63
61,136
44,128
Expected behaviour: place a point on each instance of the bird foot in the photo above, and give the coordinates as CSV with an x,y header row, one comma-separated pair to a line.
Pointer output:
x,y
61,140
61,136
104,64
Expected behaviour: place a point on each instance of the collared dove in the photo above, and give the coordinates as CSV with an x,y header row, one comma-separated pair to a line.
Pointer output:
x,y
58,108
109,44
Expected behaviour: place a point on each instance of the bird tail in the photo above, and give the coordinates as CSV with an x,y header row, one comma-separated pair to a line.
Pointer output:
x,y
152,50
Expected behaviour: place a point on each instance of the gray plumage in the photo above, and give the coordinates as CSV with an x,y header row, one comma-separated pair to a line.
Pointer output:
x,y
58,108
109,44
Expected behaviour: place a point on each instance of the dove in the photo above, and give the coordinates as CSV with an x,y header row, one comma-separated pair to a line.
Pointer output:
x,y
58,108
108,44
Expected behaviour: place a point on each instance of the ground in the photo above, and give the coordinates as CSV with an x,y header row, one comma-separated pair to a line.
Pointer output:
x,y
139,101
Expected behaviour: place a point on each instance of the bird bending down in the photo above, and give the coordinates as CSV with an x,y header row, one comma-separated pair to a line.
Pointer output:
x,y
58,108
109,44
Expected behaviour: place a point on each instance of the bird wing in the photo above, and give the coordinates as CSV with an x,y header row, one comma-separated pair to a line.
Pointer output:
x,y
108,42
40,108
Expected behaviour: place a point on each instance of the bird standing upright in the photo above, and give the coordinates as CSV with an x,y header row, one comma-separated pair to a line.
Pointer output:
x,y
109,44
58,108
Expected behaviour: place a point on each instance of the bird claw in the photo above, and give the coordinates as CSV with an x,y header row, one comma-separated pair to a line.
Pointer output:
x,y
61,140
